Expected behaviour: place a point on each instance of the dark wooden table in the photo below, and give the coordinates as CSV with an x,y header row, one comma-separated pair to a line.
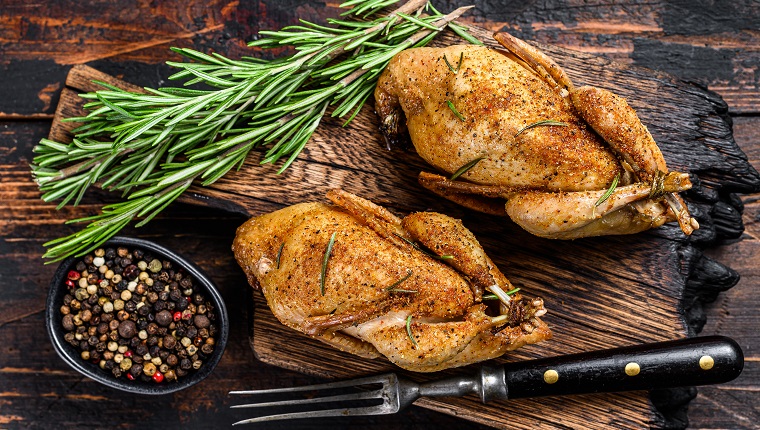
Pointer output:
x,y
714,44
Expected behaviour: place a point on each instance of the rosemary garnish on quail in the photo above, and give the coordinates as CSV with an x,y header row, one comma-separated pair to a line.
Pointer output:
x,y
152,146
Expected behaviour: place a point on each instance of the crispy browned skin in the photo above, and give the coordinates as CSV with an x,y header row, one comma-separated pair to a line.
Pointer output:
x,y
498,94
357,312
497,97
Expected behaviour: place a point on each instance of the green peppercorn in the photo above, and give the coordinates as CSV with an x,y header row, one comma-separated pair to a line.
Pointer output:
x,y
149,368
125,364
154,266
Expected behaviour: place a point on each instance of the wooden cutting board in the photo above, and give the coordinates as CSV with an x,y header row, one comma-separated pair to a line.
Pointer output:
x,y
600,292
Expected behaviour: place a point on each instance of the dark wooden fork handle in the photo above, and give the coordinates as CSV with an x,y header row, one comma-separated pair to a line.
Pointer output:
x,y
687,362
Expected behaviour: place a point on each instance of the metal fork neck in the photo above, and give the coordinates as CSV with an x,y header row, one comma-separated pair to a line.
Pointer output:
x,y
489,384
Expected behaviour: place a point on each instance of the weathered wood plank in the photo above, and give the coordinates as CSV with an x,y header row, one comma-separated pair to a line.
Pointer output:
x,y
651,272
714,44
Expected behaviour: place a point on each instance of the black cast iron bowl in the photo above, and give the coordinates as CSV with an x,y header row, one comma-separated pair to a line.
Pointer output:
x,y
70,355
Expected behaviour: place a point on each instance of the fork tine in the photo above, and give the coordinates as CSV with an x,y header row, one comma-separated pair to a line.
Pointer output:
x,y
370,410
380,379
377,394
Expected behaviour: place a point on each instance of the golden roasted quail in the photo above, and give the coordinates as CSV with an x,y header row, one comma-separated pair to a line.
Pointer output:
x,y
542,151
377,292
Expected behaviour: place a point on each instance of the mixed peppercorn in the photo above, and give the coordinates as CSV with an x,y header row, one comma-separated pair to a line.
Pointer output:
x,y
136,315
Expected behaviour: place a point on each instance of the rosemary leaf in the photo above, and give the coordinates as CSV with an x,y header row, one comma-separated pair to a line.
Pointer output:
x,y
461,31
393,289
454,109
279,254
325,259
546,122
609,191
495,297
459,64
462,170
409,329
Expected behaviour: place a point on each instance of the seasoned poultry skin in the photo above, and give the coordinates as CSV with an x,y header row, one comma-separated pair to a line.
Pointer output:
x,y
548,178
377,276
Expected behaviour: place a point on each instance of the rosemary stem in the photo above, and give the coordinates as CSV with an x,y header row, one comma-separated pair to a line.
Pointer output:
x,y
76,168
503,297
407,8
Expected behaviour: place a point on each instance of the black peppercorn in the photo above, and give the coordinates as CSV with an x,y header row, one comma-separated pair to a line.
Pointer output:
x,y
175,295
68,322
141,349
143,311
127,329
164,318
102,328
136,369
130,272
158,287
192,332
185,364
169,342
152,328
163,276
154,350
182,304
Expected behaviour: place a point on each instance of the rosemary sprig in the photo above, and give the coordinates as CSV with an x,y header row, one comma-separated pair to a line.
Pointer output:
x,y
495,297
609,191
459,64
469,165
392,288
546,122
409,329
454,109
151,146
279,255
325,259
